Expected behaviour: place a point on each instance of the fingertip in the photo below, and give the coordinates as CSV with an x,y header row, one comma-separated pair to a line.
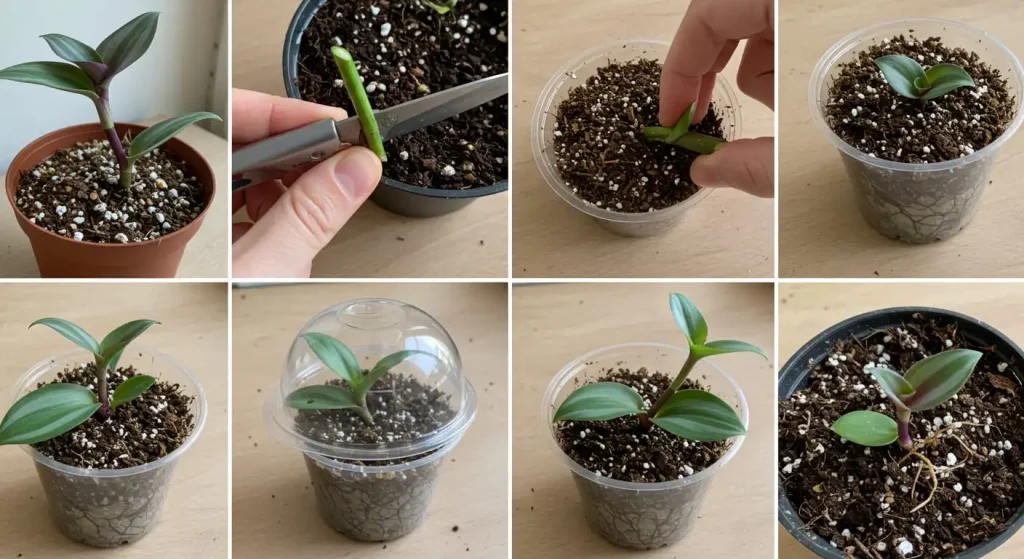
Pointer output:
x,y
358,171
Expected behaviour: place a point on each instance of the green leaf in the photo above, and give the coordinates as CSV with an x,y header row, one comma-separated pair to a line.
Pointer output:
x,y
322,397
126,45
337,356
46,413
131,389
944,78
902,72
689,319
385,365
683,126
79,54
354,86
894,385
58,75
867,428
719,347
600,401
80,337
155,136
113,345
937,378
441,7
699,416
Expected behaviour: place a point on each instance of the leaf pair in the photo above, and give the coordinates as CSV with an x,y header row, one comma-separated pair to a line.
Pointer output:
x,y
693,325
108,352
909,79
340,359
680,135
692,414
441,7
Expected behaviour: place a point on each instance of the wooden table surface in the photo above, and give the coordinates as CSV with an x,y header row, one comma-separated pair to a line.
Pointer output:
x,y
470,243
274,511
728,234
805,310
554,324
194,330
206,255
821,233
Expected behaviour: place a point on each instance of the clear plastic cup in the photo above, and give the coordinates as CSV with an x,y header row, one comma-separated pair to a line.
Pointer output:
x,y
110,508
373,492
641,515
917,202
644,224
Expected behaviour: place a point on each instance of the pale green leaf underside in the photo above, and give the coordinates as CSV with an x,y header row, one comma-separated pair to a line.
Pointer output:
x,y
866,428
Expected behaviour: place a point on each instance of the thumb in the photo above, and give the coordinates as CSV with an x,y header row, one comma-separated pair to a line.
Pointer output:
x,y
306,217
747,165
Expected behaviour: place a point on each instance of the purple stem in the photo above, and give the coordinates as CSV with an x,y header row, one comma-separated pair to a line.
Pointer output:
x,y
903,425
107,121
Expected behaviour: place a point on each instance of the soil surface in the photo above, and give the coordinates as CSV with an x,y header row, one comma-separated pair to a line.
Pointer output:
x,y
600,150
869,115
405,51
861,499
75,193
402,407
138,432
624,449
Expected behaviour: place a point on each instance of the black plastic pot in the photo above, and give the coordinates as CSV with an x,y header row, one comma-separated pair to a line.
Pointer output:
x,y
794,376
394,196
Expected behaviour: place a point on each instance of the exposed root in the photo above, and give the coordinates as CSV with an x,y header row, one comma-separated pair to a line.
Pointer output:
x,y
931,472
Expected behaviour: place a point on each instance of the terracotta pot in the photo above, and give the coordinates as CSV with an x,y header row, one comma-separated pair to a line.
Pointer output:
x,y
61,257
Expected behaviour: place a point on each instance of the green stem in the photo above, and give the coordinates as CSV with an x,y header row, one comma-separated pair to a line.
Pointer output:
x,y
691,360
693,141
363,411
350,75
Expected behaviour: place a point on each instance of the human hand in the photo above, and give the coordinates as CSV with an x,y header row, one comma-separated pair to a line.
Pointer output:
x,y
703,45
295,217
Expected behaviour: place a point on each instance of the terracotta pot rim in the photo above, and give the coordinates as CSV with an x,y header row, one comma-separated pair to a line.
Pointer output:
x,y
162,238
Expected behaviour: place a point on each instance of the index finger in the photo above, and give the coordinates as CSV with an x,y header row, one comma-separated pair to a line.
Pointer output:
x,y
702,45
257,115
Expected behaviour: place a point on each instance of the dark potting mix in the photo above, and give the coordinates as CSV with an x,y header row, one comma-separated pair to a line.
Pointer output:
x,y
600,150
405,50
862,499
136,433
76,193
869,115
625,449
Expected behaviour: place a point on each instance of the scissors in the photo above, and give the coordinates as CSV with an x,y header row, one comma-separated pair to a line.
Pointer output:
x,y
273,157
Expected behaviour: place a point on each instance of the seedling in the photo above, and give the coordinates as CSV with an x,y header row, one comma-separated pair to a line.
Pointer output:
x,y
340,359
680,135
90,73
55,409
909,79
927,384
354,86
441,7
691,414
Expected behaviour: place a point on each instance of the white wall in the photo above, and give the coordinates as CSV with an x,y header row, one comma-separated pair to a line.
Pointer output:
x,y
174,76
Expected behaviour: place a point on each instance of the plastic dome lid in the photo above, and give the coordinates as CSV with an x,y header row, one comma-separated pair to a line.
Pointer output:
x,y
373,328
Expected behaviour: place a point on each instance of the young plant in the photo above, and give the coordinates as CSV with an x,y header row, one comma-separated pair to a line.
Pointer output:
x,y
692,414
57,408
90,73
680,135
340,359
928,383
441,7
909,79
354,86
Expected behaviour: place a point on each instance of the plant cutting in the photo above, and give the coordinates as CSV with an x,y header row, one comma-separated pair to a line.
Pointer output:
x,y
917,114
114,186
403,51
105,436
372,416
680,135
640,444
925,405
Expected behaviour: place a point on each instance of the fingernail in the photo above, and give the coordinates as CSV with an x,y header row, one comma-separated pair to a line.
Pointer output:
x,y
358,172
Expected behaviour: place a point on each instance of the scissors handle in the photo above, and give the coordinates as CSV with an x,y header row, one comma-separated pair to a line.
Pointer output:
x,y
310,144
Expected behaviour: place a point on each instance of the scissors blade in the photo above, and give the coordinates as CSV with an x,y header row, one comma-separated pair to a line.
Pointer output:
x,y
419,113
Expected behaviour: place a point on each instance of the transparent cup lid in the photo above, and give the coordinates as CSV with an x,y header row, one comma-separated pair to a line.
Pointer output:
x,y
372,329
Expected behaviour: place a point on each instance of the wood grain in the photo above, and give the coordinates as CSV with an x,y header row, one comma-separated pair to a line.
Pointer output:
x,y
206,255
554,324
274,512
728,234
805,310
193,330
821,233
370,246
